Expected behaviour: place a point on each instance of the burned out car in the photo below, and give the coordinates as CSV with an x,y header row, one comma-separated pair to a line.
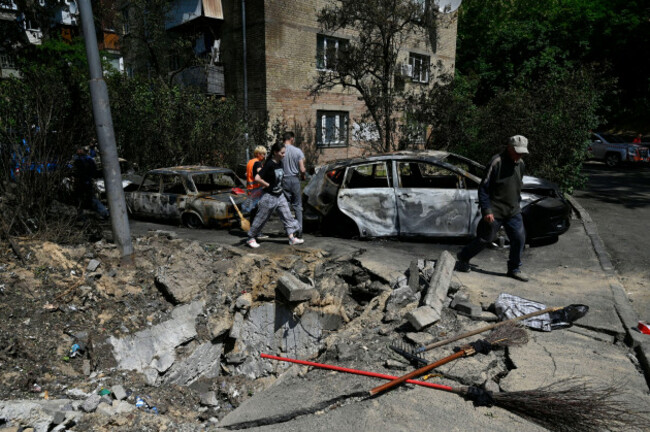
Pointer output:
x,y
195,196
430,194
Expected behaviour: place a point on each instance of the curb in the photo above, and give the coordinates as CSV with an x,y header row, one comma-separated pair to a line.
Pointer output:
x,y
626,314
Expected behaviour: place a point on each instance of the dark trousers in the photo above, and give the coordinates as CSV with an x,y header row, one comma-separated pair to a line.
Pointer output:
x,y
486,233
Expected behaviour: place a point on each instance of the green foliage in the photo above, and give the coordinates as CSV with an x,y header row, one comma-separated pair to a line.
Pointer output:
x,y
507,43
554,112
159,125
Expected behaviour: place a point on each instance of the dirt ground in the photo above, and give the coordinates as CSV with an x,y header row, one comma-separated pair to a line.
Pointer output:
x,y
57,312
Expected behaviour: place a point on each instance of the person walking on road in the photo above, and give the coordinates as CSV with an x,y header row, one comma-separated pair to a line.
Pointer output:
x,y
499,196
294,171
273,199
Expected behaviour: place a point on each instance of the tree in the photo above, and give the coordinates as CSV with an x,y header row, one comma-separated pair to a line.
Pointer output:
x,y
506,43
147,45
367,62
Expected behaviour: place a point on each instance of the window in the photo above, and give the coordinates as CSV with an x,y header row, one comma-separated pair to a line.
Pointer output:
x,y
125,21
329,51
332,128
172,184
7,62
419,67
374,175
151,183
427,175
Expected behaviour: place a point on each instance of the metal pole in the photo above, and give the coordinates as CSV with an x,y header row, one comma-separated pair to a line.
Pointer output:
x,y
243,24
106,135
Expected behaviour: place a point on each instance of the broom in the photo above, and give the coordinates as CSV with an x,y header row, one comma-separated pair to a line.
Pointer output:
x,y
570,405
245,224
505,335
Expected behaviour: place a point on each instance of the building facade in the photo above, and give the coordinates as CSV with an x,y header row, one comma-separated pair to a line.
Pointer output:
x,y
285,49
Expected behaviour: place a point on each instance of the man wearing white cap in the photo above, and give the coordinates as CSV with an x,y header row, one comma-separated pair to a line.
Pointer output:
x,y
499,195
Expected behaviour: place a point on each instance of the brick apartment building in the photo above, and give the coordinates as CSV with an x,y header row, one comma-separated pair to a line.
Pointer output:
x,y
284,48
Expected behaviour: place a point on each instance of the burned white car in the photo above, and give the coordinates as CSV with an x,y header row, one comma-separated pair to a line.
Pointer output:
x,y
195,196
430,194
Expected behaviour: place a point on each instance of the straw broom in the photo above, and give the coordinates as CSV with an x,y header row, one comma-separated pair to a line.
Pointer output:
x,y
569,405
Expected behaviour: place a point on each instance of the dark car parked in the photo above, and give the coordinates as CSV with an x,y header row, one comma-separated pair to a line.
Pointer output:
x,y
431,194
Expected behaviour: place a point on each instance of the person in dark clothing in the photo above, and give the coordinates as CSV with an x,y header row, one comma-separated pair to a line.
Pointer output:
x,y
273,199
85,170
499,196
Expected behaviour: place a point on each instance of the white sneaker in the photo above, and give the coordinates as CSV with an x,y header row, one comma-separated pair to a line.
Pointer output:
x,y
295,241
252,243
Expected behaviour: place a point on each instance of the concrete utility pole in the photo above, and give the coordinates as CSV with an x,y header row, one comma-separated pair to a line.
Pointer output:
x,y
106,135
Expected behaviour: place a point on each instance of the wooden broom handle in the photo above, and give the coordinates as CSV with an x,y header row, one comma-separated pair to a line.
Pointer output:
x,y
417,372
236,208
486,328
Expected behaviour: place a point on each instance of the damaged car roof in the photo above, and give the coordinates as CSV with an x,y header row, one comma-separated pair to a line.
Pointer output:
x,y
190,169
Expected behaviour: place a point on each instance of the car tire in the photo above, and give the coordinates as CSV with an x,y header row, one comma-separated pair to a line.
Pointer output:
x,y
192,221
612,159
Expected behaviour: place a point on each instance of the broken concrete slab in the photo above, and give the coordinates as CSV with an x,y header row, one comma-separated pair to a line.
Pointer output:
x,y
307,404
139,351
436,294
204,362
237,323
272,327
550,357
91,403
219,324
181,280
39,414
209,399
422,317
294,290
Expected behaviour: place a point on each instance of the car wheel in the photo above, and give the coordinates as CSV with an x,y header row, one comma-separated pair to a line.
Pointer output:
x,y
612,159
192,221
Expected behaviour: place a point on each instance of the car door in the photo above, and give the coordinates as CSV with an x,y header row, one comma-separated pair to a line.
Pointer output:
x,y
368,198
143,202
172,197
432,200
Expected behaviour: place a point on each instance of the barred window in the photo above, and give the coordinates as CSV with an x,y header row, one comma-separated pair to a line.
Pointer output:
x,y
332,128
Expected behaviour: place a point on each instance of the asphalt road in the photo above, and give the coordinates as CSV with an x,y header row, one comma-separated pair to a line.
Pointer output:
x,y
618,200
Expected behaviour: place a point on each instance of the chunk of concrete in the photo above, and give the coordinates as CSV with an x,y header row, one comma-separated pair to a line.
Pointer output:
x,y
244,301
181,280
422,317
414,276
237,323
219,324
204,362
92,265
137,352
436,294
467,308
294,290
209,399
91,404
118,392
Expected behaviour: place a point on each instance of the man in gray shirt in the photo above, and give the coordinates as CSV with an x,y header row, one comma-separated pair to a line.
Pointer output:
x,y
294,171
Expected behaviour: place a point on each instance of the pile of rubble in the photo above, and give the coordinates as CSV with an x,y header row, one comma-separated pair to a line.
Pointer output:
x,y
173,340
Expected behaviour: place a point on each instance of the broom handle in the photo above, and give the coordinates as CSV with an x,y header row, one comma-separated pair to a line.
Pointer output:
x,y
356,372
484,329
241,216
417,372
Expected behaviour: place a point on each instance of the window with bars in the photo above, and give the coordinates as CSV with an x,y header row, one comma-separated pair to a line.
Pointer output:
x,y
328,51
7,61
332,128
420,67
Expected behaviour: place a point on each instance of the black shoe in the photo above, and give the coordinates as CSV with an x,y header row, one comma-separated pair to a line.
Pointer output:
x,y
461,265
517,274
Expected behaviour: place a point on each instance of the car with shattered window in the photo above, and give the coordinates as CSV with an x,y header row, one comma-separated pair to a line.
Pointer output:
x,y
195,196
420,194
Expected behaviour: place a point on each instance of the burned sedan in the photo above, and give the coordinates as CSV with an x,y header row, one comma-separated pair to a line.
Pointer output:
x,y
195,196
430,194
